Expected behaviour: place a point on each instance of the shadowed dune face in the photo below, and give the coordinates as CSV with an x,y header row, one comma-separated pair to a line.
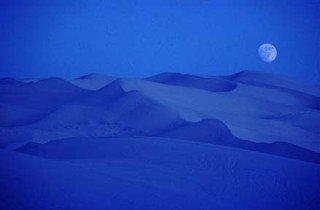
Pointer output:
x,y
210,84
30,102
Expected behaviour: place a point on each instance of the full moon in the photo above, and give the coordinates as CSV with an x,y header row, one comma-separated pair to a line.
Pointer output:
x,y
267,52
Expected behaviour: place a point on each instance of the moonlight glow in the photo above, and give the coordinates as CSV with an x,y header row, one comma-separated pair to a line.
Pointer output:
x,y
267,52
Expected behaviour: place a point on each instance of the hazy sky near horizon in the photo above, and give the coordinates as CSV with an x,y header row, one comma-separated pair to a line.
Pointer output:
x,y
138,38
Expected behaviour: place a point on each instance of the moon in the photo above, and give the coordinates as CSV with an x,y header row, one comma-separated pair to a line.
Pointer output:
x,y
267,52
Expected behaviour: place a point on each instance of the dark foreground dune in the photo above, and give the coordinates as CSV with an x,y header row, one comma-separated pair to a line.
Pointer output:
x,y
153,173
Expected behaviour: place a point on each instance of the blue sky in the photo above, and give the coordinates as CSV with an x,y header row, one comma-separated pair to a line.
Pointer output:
x,y
140,38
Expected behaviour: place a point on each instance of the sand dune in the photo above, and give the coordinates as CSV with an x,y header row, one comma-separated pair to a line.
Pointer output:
x,y
9,81
32,101
171,141
156,173
210,84
242,110
263,79
253,113
92,81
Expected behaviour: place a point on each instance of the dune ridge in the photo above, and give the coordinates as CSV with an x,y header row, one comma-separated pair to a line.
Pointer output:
x,y
173,105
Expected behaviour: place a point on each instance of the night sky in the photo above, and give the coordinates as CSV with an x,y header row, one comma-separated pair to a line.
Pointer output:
x,y
138,38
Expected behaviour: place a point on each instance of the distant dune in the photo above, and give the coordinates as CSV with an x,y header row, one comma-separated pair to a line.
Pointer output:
x,y
26,103
54,108
92,81
210,84
263,79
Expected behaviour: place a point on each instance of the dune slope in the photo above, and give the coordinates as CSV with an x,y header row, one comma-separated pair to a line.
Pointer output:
x,y
144,173
29,102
